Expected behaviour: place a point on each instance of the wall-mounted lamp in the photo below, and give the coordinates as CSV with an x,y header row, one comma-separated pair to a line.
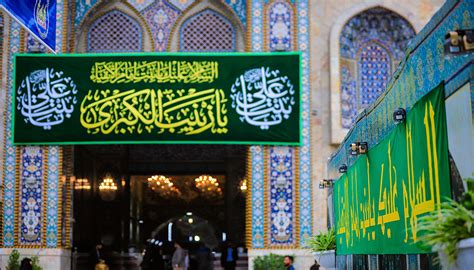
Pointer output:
x,y
326,183
358,148
363,148
354,149
343,168
399,115
459,41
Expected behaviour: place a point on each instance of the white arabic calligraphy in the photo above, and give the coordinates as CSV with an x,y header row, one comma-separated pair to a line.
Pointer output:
x,y
262,97
46,98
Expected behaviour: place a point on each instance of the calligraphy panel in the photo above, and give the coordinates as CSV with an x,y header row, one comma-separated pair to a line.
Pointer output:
x,y
235,98
381,197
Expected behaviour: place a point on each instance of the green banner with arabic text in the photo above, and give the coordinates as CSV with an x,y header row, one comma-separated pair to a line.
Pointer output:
x,y
228,98
378,202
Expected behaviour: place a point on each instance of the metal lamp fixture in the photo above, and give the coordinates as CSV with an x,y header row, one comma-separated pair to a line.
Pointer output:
x,y
358,148
343,168
326,183
354,149
459,41
363,148
399,115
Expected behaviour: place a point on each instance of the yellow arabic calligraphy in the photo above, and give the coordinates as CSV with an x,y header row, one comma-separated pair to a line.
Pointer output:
x,y
368,217
415,201
155,71
186,112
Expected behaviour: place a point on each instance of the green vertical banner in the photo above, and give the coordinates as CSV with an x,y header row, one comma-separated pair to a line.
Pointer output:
x,y
379,200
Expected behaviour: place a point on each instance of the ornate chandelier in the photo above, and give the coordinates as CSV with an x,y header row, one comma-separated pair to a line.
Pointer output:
x,y
208,186
163,186
108,188
82,183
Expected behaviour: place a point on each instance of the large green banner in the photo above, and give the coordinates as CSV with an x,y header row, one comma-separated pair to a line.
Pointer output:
x,y
379,200
236,98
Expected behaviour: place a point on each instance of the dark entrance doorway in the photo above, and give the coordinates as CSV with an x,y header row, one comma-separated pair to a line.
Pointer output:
x,y
118,203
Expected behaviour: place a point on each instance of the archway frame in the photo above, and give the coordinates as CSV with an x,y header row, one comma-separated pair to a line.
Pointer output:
x,y
337,131
100,9
197,7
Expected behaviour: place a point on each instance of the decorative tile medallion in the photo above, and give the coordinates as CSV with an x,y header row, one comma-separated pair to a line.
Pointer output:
x,y
280,25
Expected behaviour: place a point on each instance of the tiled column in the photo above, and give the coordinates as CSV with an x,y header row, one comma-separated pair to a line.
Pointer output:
x,y
32,183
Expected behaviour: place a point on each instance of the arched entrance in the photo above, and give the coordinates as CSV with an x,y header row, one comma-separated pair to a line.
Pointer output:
x,y
128,220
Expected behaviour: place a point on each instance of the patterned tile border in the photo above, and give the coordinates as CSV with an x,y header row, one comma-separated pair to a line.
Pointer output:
x,y
10,153
305,184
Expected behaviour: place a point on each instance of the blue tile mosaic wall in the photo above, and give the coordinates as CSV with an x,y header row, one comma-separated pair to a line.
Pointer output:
x,y
257,193
281,196
305,184
240,9
376,39
52,197
31,195
9,212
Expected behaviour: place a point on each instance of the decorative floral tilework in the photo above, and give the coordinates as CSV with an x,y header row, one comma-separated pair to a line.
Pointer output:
x,y
256,152
281,198
305,184
82,6
376,39
240,8
52,197
160,17
31,195
10,156
258,217
374,72
33,45
280,25
182,4
141,4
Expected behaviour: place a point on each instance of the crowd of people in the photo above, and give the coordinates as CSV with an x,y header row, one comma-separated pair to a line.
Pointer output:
x,y
203,258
